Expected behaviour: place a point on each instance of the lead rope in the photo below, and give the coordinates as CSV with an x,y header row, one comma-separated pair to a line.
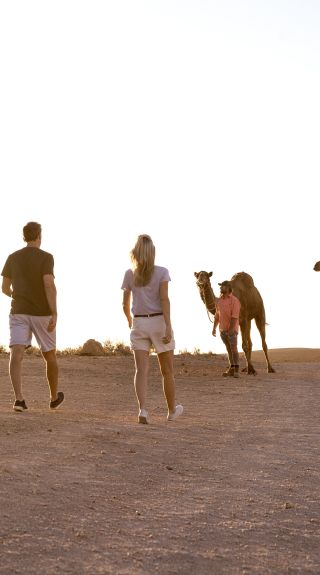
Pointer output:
x,y
210,315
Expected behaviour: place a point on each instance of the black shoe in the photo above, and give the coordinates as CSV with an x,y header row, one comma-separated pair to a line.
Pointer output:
x,y
20,405
54,404
229,372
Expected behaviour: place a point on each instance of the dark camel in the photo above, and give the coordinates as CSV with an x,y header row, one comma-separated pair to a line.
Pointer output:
x,y
252,307
316,267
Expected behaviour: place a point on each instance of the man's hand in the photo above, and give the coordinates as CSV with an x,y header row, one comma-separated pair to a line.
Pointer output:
x,y
52,322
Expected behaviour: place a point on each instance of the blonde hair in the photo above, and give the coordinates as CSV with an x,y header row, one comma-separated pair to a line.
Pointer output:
x,y
142,257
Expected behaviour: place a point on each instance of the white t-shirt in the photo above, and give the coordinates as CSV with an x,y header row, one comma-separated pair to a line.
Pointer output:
x,y
146,299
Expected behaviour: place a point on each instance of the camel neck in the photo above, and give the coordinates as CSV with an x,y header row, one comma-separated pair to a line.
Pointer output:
x,y
208,298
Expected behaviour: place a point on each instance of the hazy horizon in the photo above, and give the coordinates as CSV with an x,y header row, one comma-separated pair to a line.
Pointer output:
x,y
196,122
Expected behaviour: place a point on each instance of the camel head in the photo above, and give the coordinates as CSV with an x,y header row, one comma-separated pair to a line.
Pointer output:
x,y
316,267
203,279
206,291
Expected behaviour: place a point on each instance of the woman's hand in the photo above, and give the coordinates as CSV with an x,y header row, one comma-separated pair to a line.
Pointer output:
x,y
167,337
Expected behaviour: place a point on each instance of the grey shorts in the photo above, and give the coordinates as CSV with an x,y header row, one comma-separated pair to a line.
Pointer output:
x,y
23,326
147,333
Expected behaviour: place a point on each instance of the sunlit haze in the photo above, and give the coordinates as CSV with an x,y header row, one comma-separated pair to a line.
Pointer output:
x,y
196,122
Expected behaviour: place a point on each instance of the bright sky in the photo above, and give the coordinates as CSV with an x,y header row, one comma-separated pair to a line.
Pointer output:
x,y
197,122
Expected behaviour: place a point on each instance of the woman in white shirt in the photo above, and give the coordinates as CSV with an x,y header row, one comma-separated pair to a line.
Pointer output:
x,y
147,308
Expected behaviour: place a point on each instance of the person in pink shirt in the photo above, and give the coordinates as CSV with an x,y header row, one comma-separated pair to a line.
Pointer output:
x,y
227,317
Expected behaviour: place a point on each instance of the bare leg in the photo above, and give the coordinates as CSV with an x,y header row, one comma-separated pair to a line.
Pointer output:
x,y
141,359
52,372
16,357
166,367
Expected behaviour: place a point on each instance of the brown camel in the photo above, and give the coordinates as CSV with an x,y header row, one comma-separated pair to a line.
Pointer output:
x,y
316,267
252,307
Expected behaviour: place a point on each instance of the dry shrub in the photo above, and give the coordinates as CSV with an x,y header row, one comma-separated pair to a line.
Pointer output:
x,y
115,348
196,352
32,350
69,351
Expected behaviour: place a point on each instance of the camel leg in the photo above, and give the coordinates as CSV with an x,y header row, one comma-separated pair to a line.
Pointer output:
x,y
262,330
244,342
245,327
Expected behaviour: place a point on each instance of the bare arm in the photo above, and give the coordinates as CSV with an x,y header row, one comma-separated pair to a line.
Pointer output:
x,y
51,293
165,303
215,323
233,322
6,286
234,316
126,301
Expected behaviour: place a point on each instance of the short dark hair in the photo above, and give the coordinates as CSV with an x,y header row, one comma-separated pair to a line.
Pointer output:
x,y
226,283
31,231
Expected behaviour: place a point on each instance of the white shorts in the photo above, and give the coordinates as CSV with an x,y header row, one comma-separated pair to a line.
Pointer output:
x,y
147,333
23,326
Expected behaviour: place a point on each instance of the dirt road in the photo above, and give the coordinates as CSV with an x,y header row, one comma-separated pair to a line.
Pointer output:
x,y
232,487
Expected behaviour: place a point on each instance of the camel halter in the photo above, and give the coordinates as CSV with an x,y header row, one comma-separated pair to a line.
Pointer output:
x,y
202,289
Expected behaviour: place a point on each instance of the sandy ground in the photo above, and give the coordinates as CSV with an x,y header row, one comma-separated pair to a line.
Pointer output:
x,y
232,487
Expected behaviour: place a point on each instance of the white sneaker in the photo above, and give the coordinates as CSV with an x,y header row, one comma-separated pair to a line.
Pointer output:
x,y
175,415
143,416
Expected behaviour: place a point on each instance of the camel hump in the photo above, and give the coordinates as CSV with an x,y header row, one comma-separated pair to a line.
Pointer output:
x,y
242,279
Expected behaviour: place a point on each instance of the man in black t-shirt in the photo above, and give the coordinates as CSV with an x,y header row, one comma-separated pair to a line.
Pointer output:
x,y
29,280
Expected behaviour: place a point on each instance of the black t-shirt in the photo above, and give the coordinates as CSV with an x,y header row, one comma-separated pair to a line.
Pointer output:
x,y
26,268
